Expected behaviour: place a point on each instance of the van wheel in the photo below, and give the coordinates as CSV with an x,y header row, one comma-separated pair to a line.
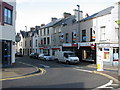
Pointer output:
x,y
67,62
44,59
57,60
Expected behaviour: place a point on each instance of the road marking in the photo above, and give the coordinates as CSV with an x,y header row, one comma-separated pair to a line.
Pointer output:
x,y
45,66
83,70
107,84
41,73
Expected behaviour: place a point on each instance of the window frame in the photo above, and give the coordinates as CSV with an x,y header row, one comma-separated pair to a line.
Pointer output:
x,y
83,35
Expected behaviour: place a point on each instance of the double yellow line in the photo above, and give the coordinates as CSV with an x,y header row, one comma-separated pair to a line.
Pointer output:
x,y
43,71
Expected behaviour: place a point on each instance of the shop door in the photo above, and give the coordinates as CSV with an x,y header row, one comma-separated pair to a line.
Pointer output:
x,y
6,56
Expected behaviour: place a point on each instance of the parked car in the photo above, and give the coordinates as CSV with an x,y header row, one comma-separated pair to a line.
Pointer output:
x,y
18,54
34,55
46,57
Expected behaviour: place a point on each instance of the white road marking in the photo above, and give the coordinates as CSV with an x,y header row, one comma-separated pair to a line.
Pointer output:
x,y
107,84
84,70
45,66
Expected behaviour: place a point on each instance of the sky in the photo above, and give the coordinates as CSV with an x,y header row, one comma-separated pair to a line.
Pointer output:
x,y
33,13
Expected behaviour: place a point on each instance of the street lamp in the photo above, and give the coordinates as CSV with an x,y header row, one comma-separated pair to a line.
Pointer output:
x,y
78,22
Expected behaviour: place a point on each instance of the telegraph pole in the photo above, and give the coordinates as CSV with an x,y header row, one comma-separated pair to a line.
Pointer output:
x,y
78,23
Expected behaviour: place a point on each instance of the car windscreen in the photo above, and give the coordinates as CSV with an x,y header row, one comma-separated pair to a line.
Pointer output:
x,y
71,55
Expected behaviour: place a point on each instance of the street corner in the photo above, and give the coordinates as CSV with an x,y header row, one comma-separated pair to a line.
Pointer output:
x,y
19,73
108,76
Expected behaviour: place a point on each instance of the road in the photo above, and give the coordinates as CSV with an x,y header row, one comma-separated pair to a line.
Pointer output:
x,y
58,75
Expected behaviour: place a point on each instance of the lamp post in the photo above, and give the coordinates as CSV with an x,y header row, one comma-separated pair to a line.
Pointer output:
x,y
78,22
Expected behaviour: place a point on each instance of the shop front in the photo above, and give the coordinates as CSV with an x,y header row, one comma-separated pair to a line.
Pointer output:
x,y
87,51
6,52
109,53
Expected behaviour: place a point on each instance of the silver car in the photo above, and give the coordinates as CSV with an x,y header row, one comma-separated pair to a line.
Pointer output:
x,y
46,57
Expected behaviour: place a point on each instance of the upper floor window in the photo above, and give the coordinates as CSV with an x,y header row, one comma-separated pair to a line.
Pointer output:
x,y
102,33
48,40
36,43
48,31
74,37
67,38
83,35
44,31
7,16
92,35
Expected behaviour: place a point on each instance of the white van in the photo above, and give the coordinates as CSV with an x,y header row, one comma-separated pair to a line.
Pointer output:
x,y
67,57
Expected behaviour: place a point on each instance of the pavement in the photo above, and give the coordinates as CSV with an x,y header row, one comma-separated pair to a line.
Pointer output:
x,y
17,70
22,69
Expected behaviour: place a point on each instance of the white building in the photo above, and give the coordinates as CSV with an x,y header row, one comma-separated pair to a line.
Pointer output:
x,y
7,32
100,36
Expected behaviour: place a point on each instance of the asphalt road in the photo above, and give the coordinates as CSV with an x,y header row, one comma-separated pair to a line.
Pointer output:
x,y
58,75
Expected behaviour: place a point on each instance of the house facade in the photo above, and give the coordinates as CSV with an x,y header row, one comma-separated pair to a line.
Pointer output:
x,y
29,41
7,32
99,37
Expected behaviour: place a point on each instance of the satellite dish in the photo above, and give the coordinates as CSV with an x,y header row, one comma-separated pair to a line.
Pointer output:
x,y
17,38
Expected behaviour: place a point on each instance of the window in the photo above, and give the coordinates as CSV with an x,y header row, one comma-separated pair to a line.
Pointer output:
x,y
48,40
67,38
74,37
44,32
25,44
92,35
36,43
30,43
48,31
7,16
44,40
102,33
41,32
83,35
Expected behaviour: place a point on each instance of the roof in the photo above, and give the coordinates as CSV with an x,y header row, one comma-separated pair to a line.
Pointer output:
x,y
67,20
101,13
51,23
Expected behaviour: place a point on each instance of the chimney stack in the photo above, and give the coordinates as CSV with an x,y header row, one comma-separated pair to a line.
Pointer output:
x,y
76,14
66,15
42,25
53,19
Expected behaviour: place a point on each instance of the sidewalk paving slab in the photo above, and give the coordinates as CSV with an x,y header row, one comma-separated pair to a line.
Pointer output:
x,y
16,70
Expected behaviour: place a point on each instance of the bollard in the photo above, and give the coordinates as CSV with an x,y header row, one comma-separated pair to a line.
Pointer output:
x,y
99,63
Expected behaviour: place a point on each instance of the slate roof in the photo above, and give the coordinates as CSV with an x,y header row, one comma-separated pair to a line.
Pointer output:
x,y
51,23
101,13
66,20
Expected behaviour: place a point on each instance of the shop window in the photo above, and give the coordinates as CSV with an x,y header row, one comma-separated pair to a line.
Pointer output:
x,y
88,54
100,49
115,53
106,53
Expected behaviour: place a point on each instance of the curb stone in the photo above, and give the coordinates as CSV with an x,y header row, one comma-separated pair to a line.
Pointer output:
x,y
108,76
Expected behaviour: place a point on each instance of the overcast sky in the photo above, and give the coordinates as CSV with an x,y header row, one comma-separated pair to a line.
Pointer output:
x,y
36,12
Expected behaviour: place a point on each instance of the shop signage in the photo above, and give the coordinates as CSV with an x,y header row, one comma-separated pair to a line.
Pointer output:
x,y
108,45
86,44
67,44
